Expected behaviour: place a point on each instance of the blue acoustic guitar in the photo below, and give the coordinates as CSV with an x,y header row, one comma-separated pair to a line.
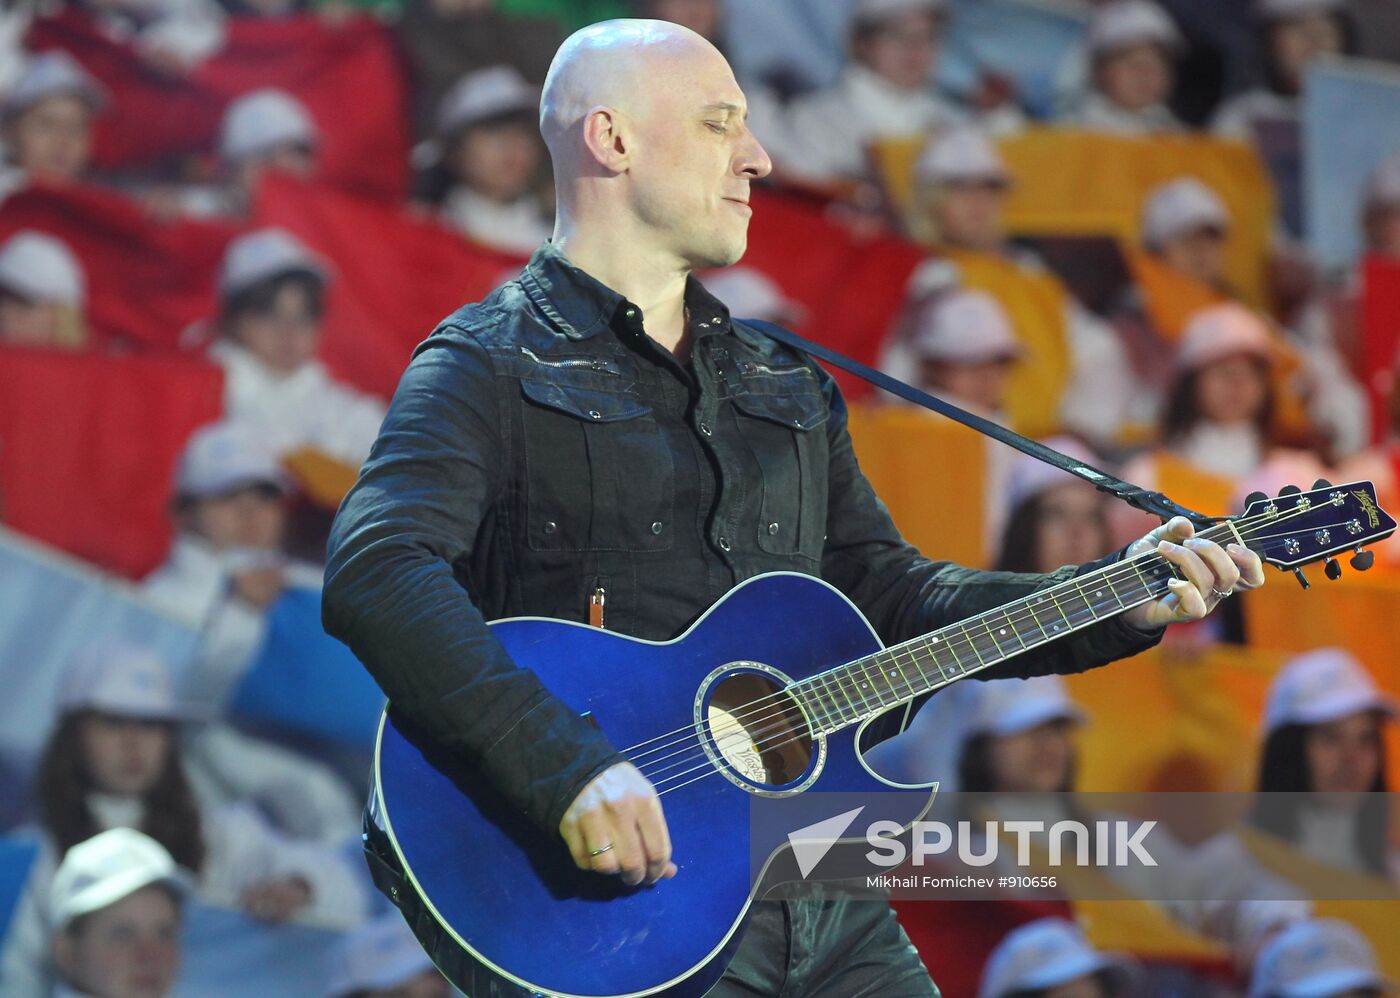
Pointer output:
x,y
766,694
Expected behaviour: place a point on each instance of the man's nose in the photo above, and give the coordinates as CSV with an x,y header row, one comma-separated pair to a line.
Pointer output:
x,y
753,159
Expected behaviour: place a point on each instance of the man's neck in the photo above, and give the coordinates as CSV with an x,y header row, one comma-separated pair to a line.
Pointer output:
x,y
654,282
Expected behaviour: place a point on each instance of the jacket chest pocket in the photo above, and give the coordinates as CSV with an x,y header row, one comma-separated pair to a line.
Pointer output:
x,y
598,473
781,413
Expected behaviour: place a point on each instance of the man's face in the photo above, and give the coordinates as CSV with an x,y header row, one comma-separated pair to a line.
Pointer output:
x,y
970,214
694,160
129,949
1137,77
902,48
52,139
499,160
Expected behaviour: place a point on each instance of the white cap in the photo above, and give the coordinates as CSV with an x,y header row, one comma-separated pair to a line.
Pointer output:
x,y
48,74
222,457
1029,476
1282,10
1218,331
379,955
1039,955
874,10
1383,184
1009,706
106,868
751,294
961,153
1125,23
1316,958
256,256
965,327
123,679
1180,206
262,120
1321,686
41,268
486,93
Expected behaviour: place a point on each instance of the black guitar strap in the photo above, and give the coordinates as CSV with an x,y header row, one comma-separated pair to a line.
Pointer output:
x,y
1133,495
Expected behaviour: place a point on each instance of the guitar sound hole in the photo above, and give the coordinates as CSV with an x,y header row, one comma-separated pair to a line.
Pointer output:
x,y
758,729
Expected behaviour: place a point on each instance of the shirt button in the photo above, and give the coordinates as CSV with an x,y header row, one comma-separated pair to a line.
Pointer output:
x,y
773,527
656,527
594,414
724,543
631,313
705,429
550,526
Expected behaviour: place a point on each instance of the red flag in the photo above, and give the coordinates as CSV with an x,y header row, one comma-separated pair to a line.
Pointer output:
x,y
1380,338
146,280
851,288
88,444
397,275
348,76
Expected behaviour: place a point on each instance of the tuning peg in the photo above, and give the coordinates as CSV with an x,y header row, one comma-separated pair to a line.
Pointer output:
x,y
1255,497
1322,483
1302,579
1363,560
1333,570
1289,490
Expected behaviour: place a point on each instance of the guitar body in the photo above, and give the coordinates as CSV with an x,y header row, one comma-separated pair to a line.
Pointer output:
x,y
510,896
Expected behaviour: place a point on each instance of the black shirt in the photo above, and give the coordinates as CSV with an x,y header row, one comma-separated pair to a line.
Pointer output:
x,y
540,446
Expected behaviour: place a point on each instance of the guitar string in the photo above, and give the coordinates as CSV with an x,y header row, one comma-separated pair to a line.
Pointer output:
x,y
893,655
1113,574
783,727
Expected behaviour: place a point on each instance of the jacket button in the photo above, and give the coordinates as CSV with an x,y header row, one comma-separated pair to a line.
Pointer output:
x,y
550,526
773,527
594,414
656,527
705,429
724,543
797,423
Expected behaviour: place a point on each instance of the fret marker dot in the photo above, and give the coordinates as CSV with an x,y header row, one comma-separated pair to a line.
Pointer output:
x,y
1098,594
1002,631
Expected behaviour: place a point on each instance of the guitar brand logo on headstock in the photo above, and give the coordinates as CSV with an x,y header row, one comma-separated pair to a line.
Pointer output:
x,y
1372,515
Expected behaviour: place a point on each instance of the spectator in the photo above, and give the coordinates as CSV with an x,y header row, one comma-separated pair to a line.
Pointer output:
x,y
47,120
492,158
1055,518
1133,45
701,16
113,761
965,350
1050,958
1318,958
272,294
1186,225
446,40
884,92
1078,376
41,292
381,959
749,293
115,910
1381,213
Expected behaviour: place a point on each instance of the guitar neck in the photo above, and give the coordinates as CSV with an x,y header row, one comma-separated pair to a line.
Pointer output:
x,y
868,686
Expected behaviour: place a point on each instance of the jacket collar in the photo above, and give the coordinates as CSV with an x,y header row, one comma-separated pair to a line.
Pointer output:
x,y
580,306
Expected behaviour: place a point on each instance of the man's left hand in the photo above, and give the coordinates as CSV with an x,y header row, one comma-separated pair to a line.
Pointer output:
x,y
1211,574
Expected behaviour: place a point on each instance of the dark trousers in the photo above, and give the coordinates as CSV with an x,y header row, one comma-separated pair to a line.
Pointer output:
x,y
824,946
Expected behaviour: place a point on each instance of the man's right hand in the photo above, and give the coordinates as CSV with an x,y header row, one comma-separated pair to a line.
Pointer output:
x,y
619,808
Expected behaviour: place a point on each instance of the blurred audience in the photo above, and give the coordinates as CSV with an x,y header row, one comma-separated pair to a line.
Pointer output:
x,y
1381,212
1051,958
114,760
382,959
1319,958
1186,225
272,303
115,912
42,288
1054,518
1133,46
488,176
46,122
749,294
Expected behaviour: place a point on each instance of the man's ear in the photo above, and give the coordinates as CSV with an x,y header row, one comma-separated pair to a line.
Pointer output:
x,y
607,138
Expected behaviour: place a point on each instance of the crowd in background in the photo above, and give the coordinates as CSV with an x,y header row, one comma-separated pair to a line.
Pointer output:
x,y
149,798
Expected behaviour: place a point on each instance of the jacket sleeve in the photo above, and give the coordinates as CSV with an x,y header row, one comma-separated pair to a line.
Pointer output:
x,y
905,595
392,596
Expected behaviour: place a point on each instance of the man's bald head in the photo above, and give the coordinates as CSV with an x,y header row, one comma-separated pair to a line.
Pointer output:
x,y
621,64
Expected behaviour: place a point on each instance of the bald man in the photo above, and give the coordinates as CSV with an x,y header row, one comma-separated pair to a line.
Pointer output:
x,y
600,428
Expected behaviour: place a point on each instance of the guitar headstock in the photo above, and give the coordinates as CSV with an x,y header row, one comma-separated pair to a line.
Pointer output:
x,y
1298,528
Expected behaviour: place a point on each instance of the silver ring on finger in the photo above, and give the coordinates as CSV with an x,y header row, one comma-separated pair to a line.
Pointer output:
x,y
600,851
1219,595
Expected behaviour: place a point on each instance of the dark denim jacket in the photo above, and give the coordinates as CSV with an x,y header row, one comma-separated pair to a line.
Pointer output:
x,y
541,446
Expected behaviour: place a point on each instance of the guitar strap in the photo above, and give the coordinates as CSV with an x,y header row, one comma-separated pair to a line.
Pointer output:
x,y
1147,501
